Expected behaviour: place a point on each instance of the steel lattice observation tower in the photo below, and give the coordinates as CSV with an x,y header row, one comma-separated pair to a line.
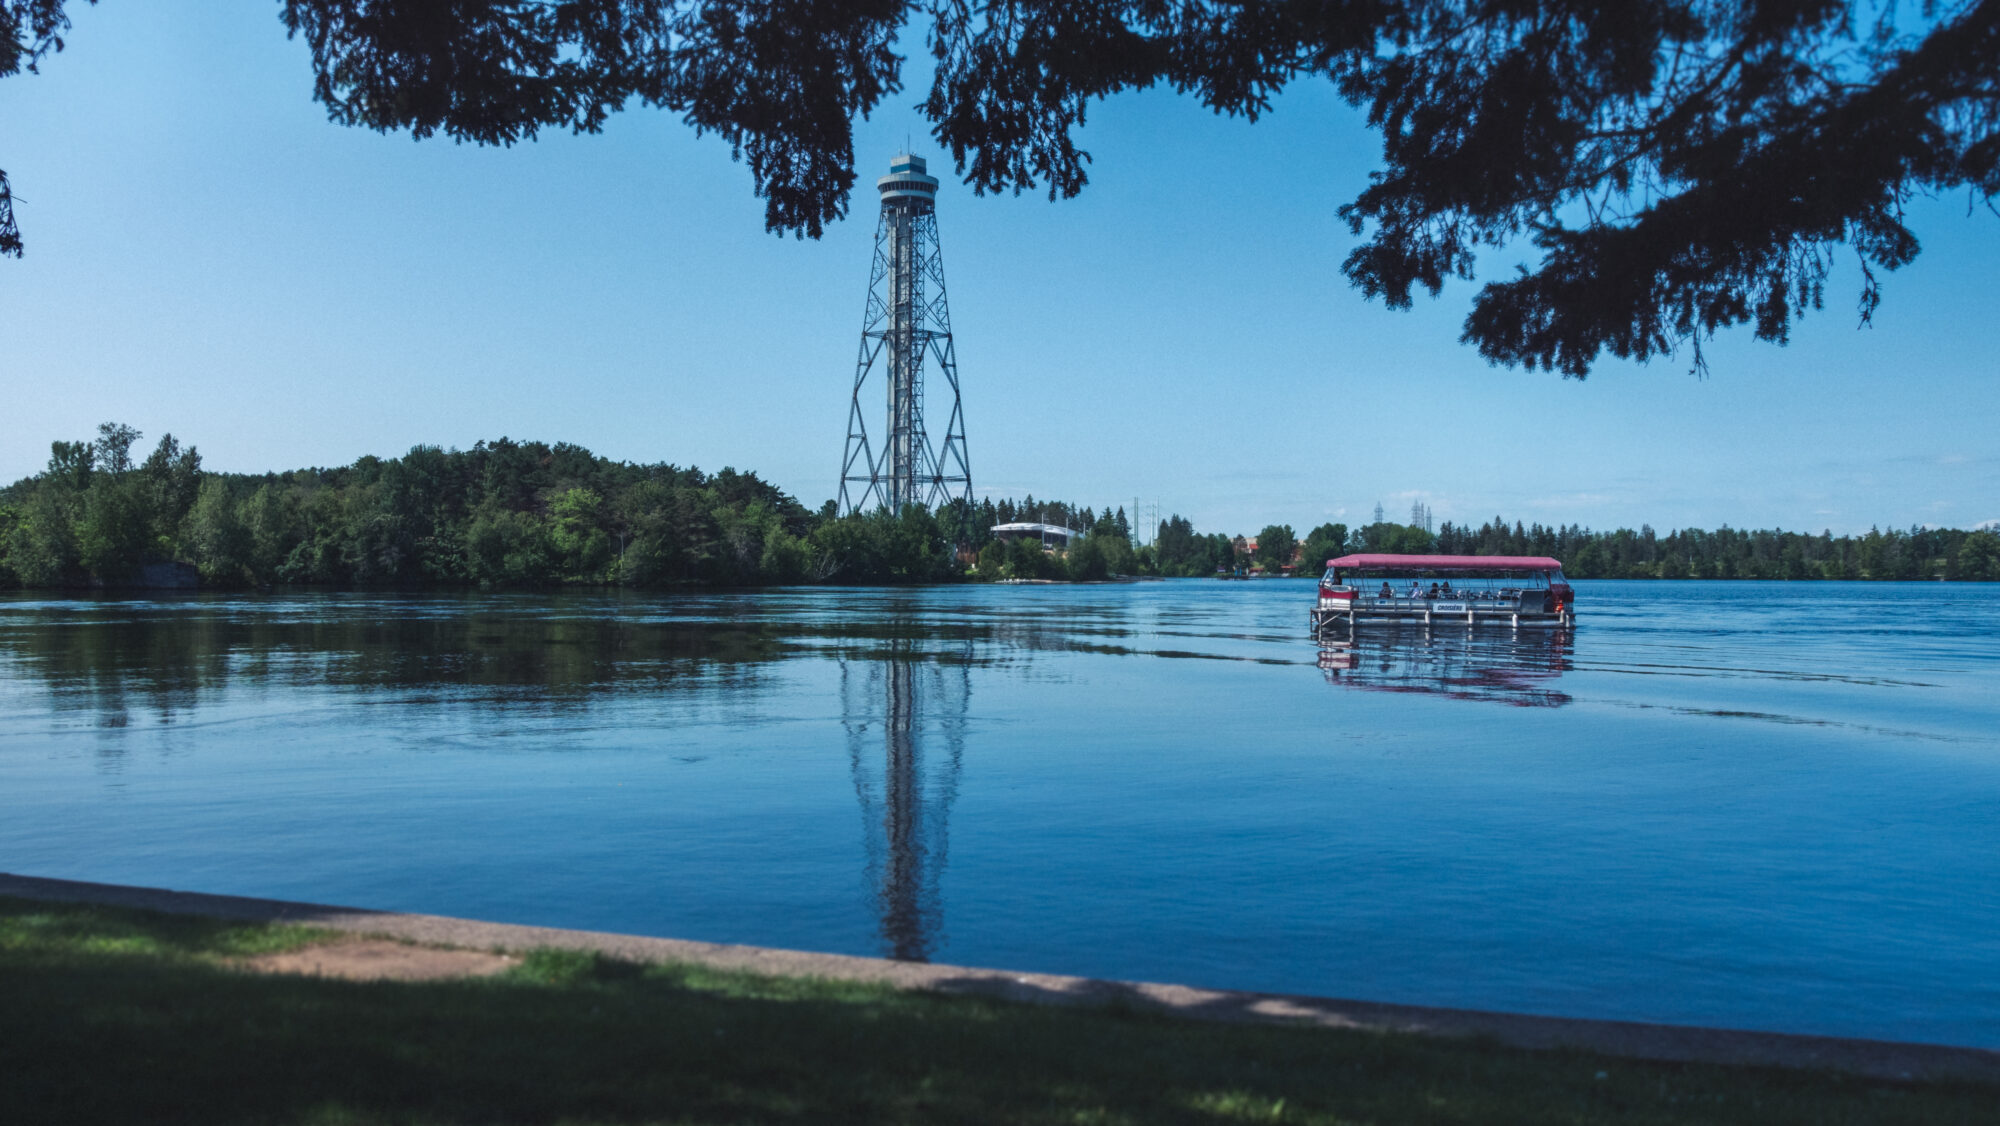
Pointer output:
x,y
907,324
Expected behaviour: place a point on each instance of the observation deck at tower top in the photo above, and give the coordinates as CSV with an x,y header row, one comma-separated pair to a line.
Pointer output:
x,y
907,180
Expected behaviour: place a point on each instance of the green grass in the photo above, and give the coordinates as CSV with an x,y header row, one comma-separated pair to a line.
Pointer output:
x,y
124,1016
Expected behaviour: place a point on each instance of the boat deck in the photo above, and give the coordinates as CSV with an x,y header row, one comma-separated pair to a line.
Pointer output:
x,y
1434,612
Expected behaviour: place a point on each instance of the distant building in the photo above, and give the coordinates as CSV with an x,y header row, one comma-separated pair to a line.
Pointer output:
x,y
1051,535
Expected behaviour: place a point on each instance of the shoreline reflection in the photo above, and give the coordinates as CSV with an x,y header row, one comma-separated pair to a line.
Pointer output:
x,y
1514,668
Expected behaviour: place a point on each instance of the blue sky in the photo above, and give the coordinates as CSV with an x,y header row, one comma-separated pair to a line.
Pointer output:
x,y
209,256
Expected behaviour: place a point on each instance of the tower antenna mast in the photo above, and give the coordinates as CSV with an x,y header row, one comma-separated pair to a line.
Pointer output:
x,y
905,328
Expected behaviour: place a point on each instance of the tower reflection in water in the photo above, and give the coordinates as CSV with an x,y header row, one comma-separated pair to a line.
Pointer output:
x,y
1505,667
905,720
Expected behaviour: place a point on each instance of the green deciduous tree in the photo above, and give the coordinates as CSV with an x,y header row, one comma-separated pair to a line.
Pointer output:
x,y
1276,545
217,541
1396,539
1325,542
1027,559
70,463
786,558
112,452
1978,557
992,561
510,548
884,547
173,477
270,518
41,545
577,534
1087,561
113,528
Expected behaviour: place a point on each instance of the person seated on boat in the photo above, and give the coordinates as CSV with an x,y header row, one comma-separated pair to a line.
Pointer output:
x,y
1433,593
1386,592
1416,590
1447,588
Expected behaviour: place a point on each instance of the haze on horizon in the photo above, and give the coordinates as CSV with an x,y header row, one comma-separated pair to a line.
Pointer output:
x,y
209,256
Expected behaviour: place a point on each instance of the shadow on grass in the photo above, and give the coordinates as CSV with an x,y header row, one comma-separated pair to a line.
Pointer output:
x,y
1623,1039
28,926
122,1034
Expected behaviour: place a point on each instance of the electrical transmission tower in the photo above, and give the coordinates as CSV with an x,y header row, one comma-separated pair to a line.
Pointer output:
x,y
906,322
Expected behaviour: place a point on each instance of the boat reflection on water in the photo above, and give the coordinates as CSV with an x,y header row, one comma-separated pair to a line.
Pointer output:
x,y
905,719
1518,668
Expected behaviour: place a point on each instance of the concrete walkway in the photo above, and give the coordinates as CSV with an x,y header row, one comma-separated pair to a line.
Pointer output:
x,y
1878,1058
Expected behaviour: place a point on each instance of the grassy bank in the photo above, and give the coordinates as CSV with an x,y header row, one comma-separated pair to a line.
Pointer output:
x,y
125,1016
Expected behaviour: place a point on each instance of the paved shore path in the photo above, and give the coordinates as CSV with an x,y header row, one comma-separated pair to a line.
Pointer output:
x,y
1879,1058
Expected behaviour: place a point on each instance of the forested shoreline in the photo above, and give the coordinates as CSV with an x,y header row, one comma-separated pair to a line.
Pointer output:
x,y
529,514
503,513
1729,553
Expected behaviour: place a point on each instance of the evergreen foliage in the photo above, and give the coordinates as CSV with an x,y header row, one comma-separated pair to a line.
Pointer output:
x,y
1727,553
1180,550
502,513
1690,553
530,514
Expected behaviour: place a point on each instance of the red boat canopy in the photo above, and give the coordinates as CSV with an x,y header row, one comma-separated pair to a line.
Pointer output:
x,y
1451,562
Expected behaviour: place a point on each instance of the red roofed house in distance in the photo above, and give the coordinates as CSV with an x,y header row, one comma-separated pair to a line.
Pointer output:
x,y
1512,590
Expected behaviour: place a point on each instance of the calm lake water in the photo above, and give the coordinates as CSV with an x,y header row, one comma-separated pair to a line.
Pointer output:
x,y
1755,805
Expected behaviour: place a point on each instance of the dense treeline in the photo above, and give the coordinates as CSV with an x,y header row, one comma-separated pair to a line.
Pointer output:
x,y
501,513
509,513
1919,553
1690,553
1179,550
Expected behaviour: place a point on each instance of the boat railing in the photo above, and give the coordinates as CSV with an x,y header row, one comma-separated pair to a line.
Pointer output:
x,y
1482,600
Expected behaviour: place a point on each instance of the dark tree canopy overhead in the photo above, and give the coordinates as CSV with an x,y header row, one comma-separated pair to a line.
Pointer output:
x,y
1679,166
